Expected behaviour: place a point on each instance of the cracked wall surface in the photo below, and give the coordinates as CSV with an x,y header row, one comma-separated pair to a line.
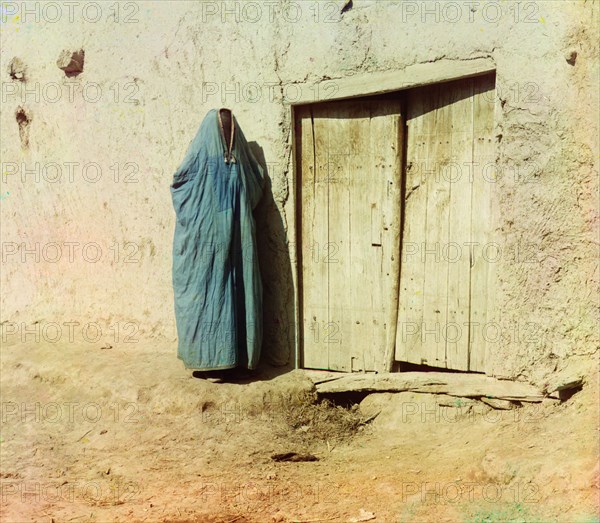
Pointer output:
x,y
87,221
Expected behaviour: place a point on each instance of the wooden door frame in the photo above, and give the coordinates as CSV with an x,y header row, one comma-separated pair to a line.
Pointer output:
x,y
358,86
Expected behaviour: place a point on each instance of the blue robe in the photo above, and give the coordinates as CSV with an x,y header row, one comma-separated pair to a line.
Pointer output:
x,y
216,280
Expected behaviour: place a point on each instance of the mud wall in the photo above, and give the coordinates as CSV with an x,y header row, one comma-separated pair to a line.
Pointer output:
x,y
88,156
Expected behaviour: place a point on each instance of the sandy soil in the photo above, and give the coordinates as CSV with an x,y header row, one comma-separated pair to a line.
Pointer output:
x,y
98,435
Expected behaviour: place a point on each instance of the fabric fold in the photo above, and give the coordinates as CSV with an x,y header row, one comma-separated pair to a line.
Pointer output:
x,y
216,278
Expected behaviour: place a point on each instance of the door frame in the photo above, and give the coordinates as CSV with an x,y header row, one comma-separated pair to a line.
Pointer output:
x,y
358,86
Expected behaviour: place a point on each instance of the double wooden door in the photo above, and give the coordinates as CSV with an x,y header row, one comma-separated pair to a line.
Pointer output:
x,y
393,250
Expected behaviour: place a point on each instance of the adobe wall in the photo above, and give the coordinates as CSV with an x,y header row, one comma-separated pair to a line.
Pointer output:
x,y
87,167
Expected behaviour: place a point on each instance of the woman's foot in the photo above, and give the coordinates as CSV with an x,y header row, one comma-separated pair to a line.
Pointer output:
x,y
214,376
226,375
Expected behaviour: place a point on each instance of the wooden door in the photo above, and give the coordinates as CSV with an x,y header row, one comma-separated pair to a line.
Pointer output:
x,y
349,162
445,277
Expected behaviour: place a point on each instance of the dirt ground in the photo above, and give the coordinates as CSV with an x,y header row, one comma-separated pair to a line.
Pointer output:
x,y
99,435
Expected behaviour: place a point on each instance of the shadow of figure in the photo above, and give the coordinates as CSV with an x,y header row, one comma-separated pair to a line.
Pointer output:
x,y
279,328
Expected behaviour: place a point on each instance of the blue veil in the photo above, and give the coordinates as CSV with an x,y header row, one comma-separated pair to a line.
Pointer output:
x,y
216,279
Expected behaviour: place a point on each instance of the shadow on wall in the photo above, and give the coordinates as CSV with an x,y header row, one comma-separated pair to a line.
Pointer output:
x,y
279,329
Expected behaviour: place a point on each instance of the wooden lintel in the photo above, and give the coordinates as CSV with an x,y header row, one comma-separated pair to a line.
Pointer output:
x,y
380,82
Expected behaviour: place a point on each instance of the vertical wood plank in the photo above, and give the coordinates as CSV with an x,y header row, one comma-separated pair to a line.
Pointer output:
x,y
362,183
457,250
483,325
337,253
435,312
386,159
294,225
314,234
412,266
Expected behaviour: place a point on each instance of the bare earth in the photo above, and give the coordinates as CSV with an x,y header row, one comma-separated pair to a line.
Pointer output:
x,y
92,435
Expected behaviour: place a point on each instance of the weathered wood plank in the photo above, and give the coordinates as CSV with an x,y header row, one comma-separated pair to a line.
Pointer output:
x,y
338,334
456,170
365,279
383,160
383,82
484,335
452,384
387,125
412,264
313,214
321,376
435,295
294,220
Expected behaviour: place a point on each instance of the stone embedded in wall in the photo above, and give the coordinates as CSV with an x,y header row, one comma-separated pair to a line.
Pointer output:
x,y
71,62
571,57
24,118
17,70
